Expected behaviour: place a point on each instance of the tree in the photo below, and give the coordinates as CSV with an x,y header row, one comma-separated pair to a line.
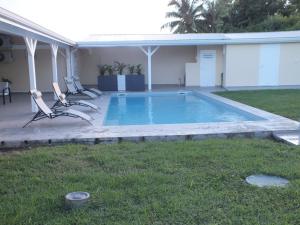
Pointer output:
x,y
213,16
277,23
245,13
185,16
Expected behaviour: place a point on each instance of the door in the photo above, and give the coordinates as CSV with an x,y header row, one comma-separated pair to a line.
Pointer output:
x,y
207,68
269,65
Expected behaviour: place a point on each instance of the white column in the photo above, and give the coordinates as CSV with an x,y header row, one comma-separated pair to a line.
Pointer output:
x,y
149,69
31,47
54,49
74,63
68,62
149,54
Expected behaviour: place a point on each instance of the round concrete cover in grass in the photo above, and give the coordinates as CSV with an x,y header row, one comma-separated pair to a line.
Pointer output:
x,y
76,199
262,180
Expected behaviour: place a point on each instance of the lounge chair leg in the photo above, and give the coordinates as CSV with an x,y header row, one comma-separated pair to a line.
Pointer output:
x,y
27,123
57,103
35,116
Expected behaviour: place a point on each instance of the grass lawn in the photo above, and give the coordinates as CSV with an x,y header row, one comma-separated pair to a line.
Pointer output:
x,y
151,183
282,102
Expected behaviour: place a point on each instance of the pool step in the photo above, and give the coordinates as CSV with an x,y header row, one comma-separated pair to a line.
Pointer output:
x,y
290,137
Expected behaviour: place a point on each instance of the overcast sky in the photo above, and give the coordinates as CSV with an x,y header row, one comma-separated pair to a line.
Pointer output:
x,y
78,18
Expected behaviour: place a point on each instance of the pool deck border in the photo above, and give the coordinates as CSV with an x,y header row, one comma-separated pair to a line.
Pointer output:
x,y
83,133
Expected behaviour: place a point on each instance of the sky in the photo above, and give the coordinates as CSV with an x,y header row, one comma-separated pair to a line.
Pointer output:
x,y
78,19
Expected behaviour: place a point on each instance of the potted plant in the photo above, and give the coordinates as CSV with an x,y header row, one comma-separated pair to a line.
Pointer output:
x,y
119,67
131,69
135,80
107,82
110,70
102,69
139,69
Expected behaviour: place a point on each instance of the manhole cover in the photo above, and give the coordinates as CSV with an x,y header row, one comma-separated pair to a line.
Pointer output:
x,y
261,180
76,199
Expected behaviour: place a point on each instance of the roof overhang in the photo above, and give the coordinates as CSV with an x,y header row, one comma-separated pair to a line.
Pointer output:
x,y
14,24
189,39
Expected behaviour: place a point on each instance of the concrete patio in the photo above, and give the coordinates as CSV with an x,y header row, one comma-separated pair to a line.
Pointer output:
x,y
69,130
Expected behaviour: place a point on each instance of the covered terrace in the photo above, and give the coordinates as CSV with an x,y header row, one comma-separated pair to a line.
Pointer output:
x,y
18,35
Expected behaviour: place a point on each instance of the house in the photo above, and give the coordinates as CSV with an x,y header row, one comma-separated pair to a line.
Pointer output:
x,y
32,56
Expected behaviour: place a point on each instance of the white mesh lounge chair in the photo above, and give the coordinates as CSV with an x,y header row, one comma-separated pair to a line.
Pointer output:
x,y
46,112
62,101
72,90
80,87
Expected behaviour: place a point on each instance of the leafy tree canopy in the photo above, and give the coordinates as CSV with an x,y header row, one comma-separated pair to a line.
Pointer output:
x,y
208,16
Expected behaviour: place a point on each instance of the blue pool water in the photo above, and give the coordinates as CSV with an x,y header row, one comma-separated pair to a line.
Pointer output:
x,y
171,108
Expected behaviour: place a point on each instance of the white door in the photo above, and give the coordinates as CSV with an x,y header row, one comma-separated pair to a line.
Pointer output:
x,y
269,65
207,68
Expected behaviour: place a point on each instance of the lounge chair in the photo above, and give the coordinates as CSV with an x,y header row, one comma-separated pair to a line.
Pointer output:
x,y
62,101
46,112
80,87
72,90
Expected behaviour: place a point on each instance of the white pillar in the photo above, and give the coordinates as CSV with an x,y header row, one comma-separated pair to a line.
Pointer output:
x,y
31,47
54,49
149,69
74,63
149,54
68,62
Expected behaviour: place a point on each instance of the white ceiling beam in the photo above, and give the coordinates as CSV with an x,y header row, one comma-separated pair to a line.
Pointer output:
x,y
143,50
23,47
155,50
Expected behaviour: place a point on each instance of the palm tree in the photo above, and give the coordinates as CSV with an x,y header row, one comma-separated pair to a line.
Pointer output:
x,y
186,15
213,16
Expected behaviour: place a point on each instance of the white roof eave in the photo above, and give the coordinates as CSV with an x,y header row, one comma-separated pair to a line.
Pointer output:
x,y
16,25
94,44
90,44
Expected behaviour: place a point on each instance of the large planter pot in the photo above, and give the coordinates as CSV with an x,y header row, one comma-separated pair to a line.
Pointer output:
x,y
121,82
107,83
135,82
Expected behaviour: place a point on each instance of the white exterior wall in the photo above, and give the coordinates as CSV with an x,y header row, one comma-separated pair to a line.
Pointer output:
x,y
168,63
17,71
289,67
241,65
89,59
244,65
193,69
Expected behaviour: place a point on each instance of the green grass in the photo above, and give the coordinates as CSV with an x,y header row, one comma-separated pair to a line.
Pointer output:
x,y
151,183
282,102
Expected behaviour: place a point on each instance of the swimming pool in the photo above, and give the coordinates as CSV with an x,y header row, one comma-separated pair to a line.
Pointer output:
x,y
171,108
